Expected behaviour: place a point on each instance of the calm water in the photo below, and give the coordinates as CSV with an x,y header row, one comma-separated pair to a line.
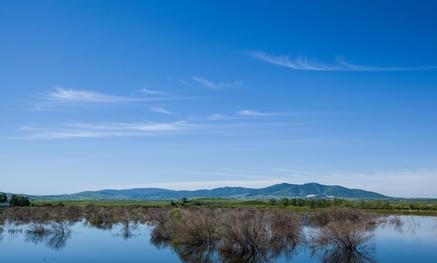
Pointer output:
x,y
415,241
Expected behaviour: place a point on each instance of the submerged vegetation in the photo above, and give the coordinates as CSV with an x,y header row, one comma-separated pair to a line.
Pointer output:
x,y
213,234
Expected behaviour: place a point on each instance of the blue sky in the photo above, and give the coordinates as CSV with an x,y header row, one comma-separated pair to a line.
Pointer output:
x,y
197,94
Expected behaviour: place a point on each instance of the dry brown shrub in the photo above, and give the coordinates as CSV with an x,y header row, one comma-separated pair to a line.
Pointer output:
x,y
343,230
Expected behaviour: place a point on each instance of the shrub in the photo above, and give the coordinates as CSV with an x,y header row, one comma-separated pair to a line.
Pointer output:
x,y
345,236
343,229
254,235
340,214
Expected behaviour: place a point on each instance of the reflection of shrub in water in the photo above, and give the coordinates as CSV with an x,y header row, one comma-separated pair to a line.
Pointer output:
x,y
60,234
13,229
55,235
127,230
395,222
195,253
38,232
347,256
2,223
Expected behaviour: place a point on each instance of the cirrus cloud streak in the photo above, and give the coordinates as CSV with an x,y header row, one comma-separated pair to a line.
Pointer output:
x,y
340,64
105,130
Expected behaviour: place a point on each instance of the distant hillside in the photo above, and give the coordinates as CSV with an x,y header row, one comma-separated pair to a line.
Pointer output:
x,y
310,190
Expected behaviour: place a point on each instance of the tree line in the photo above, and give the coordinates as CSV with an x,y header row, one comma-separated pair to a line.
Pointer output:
x,y
14,200
305,203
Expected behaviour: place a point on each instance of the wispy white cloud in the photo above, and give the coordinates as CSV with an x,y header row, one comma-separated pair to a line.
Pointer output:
x,y
220,117
67,95
161,110
135,126
303,63
215,85
105,130
244,114
60,94
252,113
128,129
151,92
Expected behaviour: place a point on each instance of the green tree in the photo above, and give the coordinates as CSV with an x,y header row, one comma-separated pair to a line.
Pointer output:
x,y
3,198
19,200
285,202
272,202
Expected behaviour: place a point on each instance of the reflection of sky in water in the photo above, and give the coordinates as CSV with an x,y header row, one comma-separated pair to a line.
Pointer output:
x,y
416,241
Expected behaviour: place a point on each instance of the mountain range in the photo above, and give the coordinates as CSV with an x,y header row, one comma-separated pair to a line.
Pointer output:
x,y
309,190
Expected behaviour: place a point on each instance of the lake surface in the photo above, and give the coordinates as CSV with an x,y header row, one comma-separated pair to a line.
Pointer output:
x,y
414,241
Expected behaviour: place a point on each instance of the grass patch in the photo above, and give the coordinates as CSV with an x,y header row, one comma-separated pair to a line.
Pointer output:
x,y
401,206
